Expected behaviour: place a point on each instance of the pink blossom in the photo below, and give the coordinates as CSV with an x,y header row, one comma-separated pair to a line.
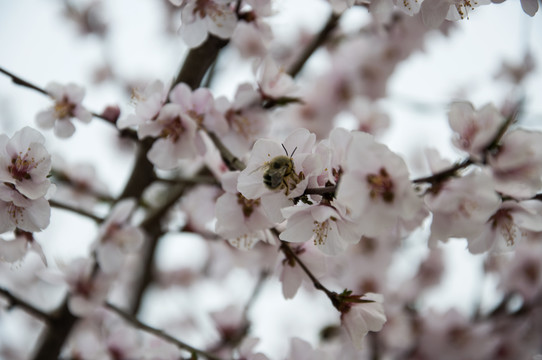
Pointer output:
x,y
200,17
18,211
247,120
291,177
240,220
360,318
524,274
25,163
517,165
290,273
474,129
15,250
375,187
435,11
175,131
200,106
87,292
68,100
274,82
117,237
508,226
462,206
325,225
370,119
148,105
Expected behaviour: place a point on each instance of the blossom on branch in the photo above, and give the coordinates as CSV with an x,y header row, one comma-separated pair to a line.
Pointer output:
x,y
474,129
361,315
117,237
201,17
375,187
240,220
277,175
68,100
25,163
517,164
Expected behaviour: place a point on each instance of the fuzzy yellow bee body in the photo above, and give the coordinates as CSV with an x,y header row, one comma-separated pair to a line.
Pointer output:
x,y
279,173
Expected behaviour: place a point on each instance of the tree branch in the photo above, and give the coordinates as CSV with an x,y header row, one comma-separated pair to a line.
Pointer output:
x,y
318,41
30,309
19,81
81,212
290,254
159,333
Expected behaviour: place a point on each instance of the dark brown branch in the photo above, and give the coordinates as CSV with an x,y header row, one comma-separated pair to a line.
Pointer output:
x,y
20,303
231,161
318,41
17,80
290,254
444,174
198,61
152,226
81,212
320,191
159,333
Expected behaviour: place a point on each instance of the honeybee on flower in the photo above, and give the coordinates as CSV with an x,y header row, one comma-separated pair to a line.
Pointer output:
x,y
277,178
280,172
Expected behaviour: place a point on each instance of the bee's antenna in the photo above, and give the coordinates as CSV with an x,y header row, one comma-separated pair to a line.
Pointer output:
x,y
286,151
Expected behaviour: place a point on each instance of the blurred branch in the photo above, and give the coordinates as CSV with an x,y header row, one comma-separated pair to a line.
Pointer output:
x,y
81,212
318,41
30,309
233,340
161,334
211,180
232,162
444,174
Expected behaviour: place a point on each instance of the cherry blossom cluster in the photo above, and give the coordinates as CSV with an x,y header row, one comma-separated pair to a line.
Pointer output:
x,y
24,209
273,182
433,12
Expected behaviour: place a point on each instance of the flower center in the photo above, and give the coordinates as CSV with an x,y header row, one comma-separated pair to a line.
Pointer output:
x,y
321,230
381,185
247,205
173,129
64,108
21,166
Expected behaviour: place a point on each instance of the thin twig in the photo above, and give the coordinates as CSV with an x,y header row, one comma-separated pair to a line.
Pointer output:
x,y
289,253
81,212
157,332
30,309
318,41
232,162
17,80
444,174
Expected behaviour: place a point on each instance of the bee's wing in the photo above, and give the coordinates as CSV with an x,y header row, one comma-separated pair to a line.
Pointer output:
x,y
259,168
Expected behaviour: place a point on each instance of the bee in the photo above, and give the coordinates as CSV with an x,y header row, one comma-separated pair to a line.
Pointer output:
x,y
280,172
